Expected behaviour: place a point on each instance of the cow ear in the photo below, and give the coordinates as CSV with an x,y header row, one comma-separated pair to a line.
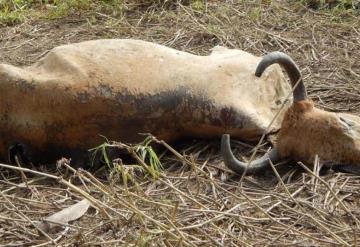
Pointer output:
x,y
303,106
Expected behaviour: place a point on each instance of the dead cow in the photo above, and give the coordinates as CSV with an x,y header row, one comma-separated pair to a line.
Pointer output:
x,y
61,105
305,132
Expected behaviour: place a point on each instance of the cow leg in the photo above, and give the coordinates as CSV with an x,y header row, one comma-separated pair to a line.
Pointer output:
x,y
345,168
353,169
18,150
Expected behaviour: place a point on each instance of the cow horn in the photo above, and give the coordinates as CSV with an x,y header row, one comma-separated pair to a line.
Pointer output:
x,y
291,69
239,167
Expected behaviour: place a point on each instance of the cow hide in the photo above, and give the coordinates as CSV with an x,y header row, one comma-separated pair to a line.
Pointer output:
x,y
117,88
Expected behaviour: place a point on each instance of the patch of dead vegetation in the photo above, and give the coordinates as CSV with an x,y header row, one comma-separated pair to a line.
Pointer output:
x,y
193,203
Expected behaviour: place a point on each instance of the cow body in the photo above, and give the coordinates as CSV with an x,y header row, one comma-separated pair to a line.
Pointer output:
x,y
119,88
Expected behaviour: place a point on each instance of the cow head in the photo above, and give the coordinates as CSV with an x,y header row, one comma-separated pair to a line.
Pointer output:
x,y
306,131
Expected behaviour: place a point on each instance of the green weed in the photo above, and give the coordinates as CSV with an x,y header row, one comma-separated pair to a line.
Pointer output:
x,y
16,11
12,11
142,151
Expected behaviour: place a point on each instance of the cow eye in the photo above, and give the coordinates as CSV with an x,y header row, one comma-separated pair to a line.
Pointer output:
x,y
347,123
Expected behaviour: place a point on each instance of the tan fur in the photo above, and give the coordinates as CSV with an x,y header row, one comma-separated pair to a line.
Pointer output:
x,y
119,88
308,131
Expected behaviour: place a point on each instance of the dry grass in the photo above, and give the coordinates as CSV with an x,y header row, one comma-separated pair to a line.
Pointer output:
x,y
193,202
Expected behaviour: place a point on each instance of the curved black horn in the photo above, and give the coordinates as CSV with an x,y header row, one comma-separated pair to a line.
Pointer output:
x,y
239,167
291,69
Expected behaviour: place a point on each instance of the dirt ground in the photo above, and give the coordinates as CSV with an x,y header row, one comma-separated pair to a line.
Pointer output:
x,y
195,203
